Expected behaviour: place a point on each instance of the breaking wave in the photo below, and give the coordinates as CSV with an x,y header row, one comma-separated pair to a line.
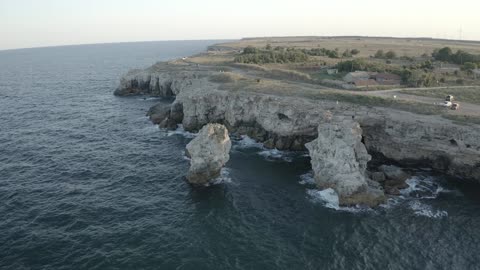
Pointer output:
x,y
246,142
181,131
223,178
421,209
307,179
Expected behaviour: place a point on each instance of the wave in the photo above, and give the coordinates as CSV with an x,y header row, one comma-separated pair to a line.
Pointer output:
x,y
181,131
276,155
246,142
223,178
269,154
420,187
422,209
423,187
329,198
307,179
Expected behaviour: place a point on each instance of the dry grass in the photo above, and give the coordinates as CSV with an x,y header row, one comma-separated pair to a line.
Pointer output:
x,y
211,58
285,89
367,46
226,77
276,73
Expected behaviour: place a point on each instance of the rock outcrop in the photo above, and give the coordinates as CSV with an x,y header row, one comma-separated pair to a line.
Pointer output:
x,y
339,161
161,79
208,153
392,178
289,122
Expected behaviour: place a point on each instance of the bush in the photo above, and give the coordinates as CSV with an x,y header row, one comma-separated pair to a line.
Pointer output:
x,y
354,52
379,54
390,55
469,67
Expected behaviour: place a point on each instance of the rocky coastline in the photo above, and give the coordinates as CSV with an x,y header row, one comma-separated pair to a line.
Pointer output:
x,y
291,122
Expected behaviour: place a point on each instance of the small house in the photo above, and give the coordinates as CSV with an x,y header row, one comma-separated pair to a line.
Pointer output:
x,y
332,71
365,83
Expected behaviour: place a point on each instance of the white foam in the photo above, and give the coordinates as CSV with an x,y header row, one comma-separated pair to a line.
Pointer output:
x,y
149,98
181,131
307,179
275,154
423,187
184,155
421,209
247,142
223,178
328,197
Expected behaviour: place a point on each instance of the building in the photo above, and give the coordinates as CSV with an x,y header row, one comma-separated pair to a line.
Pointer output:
x,y
356,76
332,71
387,79
365,83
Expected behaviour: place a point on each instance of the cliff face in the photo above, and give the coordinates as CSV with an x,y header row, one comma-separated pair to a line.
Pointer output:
x,y
339,161
285,122
208,152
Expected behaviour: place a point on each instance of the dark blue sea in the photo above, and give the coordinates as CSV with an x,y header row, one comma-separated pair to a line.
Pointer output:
x,y
87,182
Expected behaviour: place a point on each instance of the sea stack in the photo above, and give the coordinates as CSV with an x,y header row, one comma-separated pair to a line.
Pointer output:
x,y
208,153
339,161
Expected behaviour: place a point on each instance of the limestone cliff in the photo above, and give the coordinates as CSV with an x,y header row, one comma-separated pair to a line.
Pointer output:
x,y
339,160
289,122
208,153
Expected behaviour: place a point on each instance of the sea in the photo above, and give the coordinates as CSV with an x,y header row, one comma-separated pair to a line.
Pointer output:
x,y
88,182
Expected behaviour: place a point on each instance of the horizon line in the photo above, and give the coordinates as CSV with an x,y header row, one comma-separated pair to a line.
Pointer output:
x,y
243,38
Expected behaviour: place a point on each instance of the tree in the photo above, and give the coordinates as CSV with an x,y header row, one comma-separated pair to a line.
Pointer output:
x,y
469,67
390,55
249,50
443,54
354,52
268,47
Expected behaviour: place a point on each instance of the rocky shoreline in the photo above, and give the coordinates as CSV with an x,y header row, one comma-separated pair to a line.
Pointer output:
x,y
290,122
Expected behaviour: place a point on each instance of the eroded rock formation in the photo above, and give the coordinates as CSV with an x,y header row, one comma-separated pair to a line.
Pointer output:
x,y
285,122
339,161
208,153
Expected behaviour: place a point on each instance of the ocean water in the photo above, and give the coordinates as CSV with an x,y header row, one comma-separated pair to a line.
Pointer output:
x,y
87,182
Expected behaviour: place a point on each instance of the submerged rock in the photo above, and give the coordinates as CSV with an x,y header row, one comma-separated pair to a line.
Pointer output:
x,y
339,161
158,113
208,153
394,179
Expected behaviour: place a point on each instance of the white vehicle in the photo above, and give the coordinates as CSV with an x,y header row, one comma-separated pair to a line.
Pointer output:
x,y
447,104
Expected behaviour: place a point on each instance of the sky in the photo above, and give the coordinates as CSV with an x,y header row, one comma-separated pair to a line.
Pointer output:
x,y
38,23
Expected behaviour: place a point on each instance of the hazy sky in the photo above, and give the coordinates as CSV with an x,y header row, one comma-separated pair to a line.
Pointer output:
x,y
33,23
